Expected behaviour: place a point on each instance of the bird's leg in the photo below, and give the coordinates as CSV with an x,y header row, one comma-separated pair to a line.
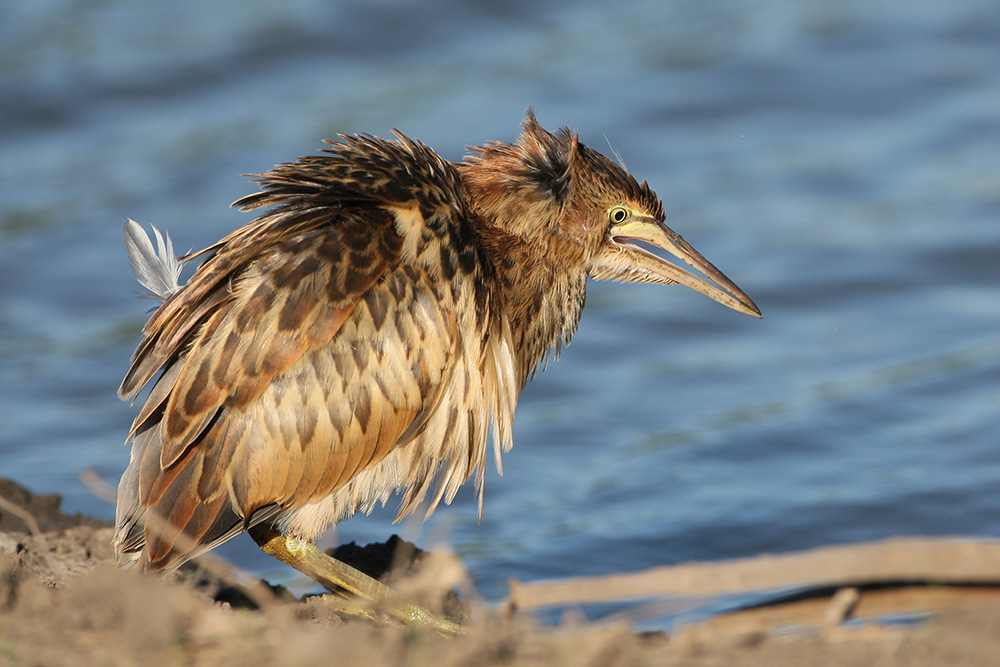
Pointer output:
x,y
335,575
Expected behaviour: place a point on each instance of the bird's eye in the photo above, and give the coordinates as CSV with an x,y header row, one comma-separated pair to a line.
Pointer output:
x,y
618,214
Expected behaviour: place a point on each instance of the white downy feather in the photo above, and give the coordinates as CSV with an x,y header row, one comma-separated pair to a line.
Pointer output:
x,y
157,270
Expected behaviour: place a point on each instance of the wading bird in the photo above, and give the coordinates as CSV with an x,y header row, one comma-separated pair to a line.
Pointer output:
x,y
367,334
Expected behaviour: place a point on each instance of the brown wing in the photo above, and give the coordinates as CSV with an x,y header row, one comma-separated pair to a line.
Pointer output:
x,y
309,344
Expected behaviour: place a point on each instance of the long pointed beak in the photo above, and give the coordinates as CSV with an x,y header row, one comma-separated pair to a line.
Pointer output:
x,y
649,267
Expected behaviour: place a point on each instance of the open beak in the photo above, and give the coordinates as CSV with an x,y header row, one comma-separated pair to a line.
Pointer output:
x,y
621,259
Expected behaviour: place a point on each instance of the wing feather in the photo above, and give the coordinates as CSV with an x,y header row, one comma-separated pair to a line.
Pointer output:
x,y
322,356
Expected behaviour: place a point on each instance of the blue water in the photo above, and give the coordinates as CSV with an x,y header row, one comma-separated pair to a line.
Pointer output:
x,y
840,161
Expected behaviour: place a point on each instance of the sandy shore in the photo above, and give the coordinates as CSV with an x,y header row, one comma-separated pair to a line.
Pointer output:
x,y
63,602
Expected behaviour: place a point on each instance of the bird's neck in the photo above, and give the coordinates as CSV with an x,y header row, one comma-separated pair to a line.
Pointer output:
x,y
541,297
539,263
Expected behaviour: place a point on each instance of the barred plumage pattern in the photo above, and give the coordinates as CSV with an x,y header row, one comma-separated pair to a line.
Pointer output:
x,y
367,333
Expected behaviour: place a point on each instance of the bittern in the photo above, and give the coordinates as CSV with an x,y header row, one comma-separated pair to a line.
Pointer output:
x,y
369,334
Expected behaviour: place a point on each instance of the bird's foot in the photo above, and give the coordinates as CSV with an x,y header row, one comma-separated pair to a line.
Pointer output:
x,y
409,615
337,576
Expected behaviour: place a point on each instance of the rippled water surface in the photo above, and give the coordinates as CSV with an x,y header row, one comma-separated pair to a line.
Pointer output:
x,y
840,161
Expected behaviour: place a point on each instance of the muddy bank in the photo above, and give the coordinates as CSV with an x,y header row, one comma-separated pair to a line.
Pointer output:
x,y
63,602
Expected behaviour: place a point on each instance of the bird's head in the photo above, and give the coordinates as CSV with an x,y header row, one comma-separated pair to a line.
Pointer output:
x,y
582,209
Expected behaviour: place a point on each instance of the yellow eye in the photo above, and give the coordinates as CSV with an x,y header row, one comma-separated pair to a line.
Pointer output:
x,y
618,214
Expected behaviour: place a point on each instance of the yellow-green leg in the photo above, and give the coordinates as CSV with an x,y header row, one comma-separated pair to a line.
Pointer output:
x,y
310,560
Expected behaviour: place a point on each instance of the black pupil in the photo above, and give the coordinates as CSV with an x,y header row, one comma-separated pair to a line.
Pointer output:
x,y
619,215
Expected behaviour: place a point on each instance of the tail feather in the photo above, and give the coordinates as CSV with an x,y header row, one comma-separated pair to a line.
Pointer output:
x,y
161,519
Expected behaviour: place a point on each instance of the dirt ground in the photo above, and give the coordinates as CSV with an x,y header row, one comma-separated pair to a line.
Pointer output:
x,y
64,602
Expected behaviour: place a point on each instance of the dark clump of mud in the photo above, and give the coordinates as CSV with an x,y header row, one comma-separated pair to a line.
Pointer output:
x,y
44,509
64,602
